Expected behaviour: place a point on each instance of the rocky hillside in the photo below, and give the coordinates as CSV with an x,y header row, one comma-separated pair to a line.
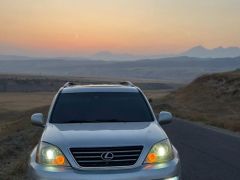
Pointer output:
x,y
213,99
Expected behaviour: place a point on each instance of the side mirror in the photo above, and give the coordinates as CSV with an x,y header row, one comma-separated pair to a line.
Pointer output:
x,y
37,119
165,117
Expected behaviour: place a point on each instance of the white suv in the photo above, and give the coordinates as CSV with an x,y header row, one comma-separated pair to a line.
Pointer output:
x,y
103,132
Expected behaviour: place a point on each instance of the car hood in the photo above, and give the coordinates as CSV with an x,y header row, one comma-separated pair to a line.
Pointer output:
x,y
103,134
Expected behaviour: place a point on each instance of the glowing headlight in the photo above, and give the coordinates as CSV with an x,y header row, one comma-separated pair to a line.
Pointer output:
x,y
160,153
48,154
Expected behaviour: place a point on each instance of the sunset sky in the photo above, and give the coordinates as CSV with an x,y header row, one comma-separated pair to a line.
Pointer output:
x,y
72,27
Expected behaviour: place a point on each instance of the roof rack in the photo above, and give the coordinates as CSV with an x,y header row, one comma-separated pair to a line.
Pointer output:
x,y
127,83
124,83
68,84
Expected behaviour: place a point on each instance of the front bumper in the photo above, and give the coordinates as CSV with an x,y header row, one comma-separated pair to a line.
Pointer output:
x,y
168,171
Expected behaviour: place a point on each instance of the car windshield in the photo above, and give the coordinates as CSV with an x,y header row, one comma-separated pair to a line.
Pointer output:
x,y
100,107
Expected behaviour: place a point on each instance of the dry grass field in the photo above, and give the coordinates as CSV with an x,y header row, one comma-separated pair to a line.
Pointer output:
x,y
20,101
17,135
156,94
212,99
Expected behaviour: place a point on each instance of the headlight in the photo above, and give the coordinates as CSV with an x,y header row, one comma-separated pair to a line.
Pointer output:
x,y
48,154
160,153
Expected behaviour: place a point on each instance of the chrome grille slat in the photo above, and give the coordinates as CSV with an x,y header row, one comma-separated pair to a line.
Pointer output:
x,y
105,151
87,157
92,157
131,155
126,155
108,161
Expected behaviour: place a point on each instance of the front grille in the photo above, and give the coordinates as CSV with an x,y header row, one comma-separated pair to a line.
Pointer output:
x,y
94,157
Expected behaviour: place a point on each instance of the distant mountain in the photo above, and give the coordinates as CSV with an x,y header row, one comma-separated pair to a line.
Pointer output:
x,y
197,51
104,56
174,69
32,58
220,52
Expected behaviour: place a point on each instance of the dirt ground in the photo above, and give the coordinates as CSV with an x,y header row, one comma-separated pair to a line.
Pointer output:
x,y
17,135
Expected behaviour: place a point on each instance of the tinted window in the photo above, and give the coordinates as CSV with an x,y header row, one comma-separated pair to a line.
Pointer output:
x,y
100,107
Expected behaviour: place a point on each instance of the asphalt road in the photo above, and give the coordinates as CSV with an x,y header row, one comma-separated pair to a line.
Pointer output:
x,y
205,154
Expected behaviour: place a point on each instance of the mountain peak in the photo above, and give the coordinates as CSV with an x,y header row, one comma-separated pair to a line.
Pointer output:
x,y
218,52
198,47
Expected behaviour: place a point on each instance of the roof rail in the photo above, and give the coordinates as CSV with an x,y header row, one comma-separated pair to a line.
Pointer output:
x,y
127,83
67,84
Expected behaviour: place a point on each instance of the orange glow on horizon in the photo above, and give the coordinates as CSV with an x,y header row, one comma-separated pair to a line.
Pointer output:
x,y
122,26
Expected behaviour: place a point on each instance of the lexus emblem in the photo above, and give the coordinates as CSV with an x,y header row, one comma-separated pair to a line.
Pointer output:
x,y
107,156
